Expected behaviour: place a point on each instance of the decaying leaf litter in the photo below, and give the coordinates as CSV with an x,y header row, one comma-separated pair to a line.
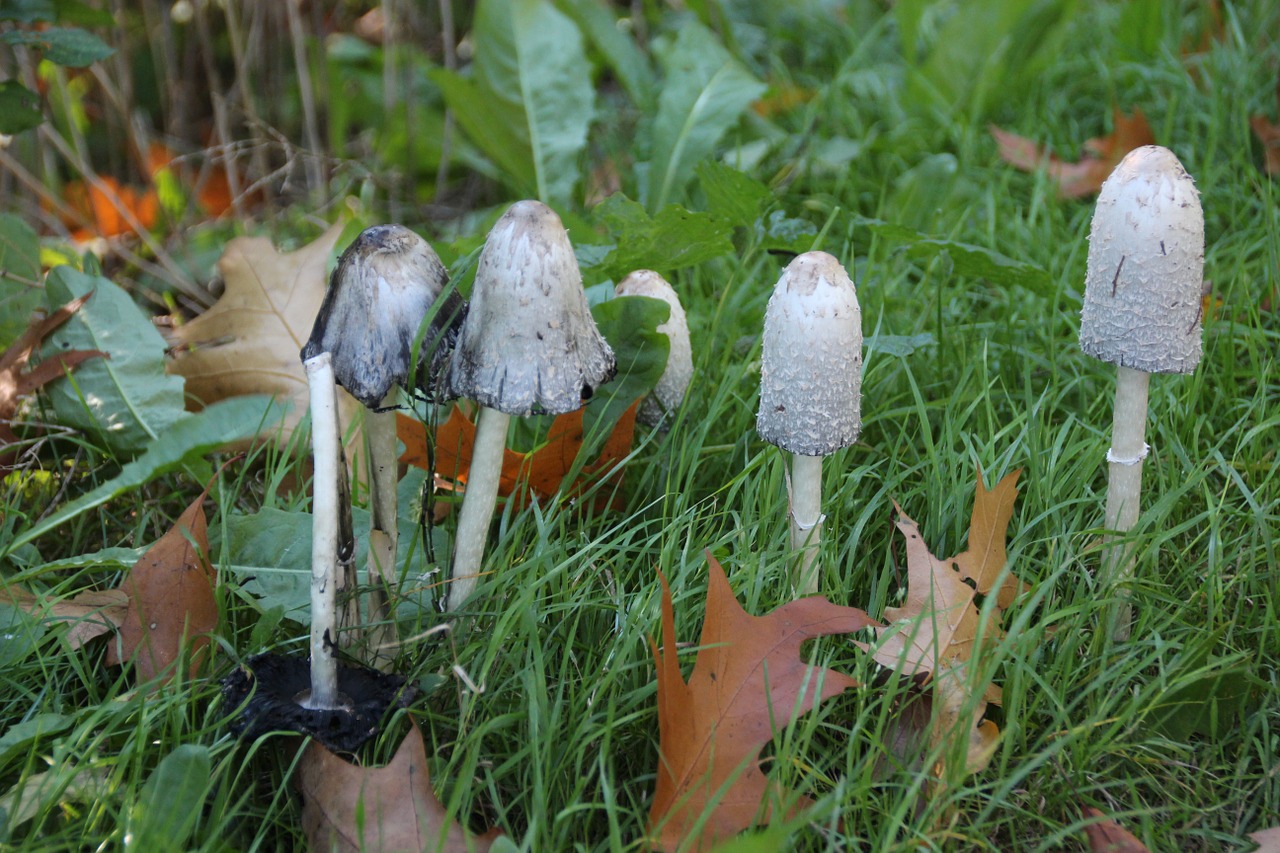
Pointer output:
x,y
963,688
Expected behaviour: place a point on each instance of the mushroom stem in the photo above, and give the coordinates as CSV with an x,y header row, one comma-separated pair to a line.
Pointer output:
x,y
806,520
1124,488
326,449
477,503
380,432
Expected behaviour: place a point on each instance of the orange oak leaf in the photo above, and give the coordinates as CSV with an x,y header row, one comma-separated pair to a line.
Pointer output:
x,y
985,558
104,203
540,473
346,808
171,600
748,680
16,382
1107,836
1085,177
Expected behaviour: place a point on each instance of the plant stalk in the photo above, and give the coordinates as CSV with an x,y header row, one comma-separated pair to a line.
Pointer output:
x,y
326,449
806,521
382,575
478,502
1124,491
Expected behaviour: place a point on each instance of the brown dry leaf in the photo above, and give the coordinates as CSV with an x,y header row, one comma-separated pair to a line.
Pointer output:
x,y
171,599
541,472
985,558
349,808
1268,840
16,382
91,613
1268,133
249,341
1107,836
1083,178
748,680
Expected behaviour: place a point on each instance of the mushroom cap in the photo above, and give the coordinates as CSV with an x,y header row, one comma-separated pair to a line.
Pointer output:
x,y
1142,298
529,341
383,288
811,364
669,392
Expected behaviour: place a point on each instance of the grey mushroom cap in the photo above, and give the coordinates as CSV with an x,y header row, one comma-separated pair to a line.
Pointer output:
x,y
669,392
382,290
1143,288
529,342
811,364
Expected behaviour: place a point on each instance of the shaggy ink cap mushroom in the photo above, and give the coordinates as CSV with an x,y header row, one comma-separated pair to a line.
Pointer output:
x,y
669,392
529,343
1143,288
811,363
385,284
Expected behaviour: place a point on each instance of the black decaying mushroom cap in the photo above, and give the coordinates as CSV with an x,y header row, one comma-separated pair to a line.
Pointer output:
x,y
529,342
1142,301
811,362
381,291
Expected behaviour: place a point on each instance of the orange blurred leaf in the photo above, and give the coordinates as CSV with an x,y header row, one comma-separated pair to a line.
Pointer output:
x,y
539,473
1107,836
1085,177
104,203
748,681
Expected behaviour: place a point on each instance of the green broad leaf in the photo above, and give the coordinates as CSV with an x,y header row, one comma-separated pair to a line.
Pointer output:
x,y
69,46
628,62
167,809
530,100
22,634
733,195
105,558
127,399
20,293
899,345
82,14
705,92
27,11
19,108
630,325
17,739
673,239
780,233
183,443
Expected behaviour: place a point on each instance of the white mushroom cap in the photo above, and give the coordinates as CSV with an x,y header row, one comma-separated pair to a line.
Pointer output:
x,y
1142,300
529,341
669,392
383,287
811,370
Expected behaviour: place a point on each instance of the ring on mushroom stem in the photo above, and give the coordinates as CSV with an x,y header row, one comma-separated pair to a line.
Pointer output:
x,y
1142,313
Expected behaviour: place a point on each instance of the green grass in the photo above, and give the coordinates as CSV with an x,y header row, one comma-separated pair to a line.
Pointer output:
x,y
559,749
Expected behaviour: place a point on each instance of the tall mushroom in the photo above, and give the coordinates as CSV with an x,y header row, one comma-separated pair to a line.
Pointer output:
x,y
387,284
528,344
669,392
1142,313
810,388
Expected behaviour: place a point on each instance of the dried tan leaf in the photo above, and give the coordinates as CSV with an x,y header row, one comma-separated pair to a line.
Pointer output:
x,y
1268,840
346,808
250,341
1085,177
1107,836
91,613
985,558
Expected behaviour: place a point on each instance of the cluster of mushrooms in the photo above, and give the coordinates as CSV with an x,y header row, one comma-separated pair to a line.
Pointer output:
x,y
526,343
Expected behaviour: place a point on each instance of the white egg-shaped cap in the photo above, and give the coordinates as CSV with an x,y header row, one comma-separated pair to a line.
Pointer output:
x,y
811,364
669,392
1143,288
529,342
384,286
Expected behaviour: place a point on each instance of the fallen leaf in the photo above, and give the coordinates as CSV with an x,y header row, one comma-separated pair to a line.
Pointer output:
x,y
1268,133
16,382
249,341
1107,836
539,473
985,558
91,613
103,205
1085,177
1268,840
66,783
171,599
748,681
349,808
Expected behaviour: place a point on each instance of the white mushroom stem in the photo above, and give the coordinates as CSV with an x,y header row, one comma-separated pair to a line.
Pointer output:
x,y
326,449
478,502
806,520
1124,487
380,432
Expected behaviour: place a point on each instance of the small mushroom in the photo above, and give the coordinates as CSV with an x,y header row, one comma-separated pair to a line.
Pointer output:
x,y
387,284
669,392
529,344
810,387
1142,313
